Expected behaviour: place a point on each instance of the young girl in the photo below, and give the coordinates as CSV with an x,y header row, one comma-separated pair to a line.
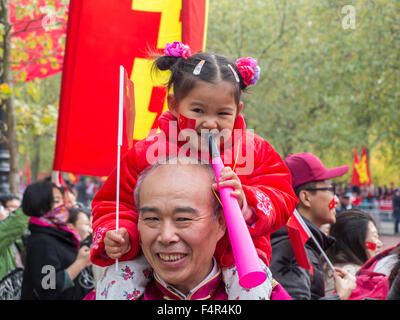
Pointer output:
x,y
206,96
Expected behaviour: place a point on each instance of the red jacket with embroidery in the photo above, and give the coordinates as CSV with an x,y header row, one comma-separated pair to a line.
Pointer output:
x,y
267,188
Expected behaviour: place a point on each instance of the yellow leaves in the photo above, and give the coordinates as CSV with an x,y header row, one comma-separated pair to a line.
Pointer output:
x,y
48,43
54,63
5,89
34,91
47,120
31,44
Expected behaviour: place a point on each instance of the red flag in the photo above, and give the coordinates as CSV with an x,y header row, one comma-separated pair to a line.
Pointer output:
x,y
95,48
332,204
129,109
361,173
186,123
355,178
299,235
194,14
370,245
366,176
74,178
28,172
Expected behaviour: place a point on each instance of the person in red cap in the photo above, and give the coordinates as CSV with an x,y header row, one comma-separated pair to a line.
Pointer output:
x,y
312,184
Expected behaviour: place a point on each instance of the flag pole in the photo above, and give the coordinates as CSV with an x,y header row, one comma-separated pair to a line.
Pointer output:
x,y
120,124
323,254
300,218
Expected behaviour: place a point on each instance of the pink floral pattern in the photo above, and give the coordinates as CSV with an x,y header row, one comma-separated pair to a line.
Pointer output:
x,y
148,273
264,203
129,282
127,273
98,237
132,296
107,288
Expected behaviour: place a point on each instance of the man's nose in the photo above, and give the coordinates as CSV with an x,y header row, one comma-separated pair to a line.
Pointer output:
x,y
168,233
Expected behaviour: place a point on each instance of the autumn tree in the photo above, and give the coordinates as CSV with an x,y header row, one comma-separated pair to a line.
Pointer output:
x,y
325,86
29,50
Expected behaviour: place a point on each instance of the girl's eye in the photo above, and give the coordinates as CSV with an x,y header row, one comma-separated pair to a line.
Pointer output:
x,y
198,110
224,114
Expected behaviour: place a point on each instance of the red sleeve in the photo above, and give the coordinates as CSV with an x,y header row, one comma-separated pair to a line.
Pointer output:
x,y
268,190
104,204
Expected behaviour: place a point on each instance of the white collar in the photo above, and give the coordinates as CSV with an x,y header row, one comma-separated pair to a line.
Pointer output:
x,y
212,274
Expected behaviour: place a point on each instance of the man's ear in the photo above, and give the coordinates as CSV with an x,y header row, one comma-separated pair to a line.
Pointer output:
x,y
172,105
221,224
304,198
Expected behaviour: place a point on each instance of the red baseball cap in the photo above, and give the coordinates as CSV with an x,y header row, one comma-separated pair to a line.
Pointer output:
x,y
307,167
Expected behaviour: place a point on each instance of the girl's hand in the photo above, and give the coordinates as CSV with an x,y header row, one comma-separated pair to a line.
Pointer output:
x,y
116,243
230,179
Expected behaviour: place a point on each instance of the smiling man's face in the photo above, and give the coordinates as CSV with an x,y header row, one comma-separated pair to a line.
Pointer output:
x,y
178,230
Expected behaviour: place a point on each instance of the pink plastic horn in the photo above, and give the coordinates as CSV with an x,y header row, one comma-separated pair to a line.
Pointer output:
x,y
250,271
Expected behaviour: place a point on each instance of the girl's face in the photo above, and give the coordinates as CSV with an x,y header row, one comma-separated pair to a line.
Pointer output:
x,y
58,198
372,237
213,107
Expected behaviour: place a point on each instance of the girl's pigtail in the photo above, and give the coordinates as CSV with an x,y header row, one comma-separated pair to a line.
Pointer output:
x,y
174,52
165,62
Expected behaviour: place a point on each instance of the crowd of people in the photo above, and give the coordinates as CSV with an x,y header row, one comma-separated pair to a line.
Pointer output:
x,y
173,239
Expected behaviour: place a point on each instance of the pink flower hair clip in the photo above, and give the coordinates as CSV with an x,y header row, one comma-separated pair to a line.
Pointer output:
x,y
249,70
177,49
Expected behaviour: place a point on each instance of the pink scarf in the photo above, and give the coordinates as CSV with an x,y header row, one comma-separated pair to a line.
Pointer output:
x,y
57,218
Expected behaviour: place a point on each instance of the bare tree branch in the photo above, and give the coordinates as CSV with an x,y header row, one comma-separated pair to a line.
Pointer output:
x,y
35,28
281,32
28,22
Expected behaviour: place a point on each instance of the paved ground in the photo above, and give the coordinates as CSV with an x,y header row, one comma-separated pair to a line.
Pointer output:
x,y
389,241
386,231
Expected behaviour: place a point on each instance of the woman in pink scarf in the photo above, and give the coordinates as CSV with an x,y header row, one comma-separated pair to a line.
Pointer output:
x,y
54,263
